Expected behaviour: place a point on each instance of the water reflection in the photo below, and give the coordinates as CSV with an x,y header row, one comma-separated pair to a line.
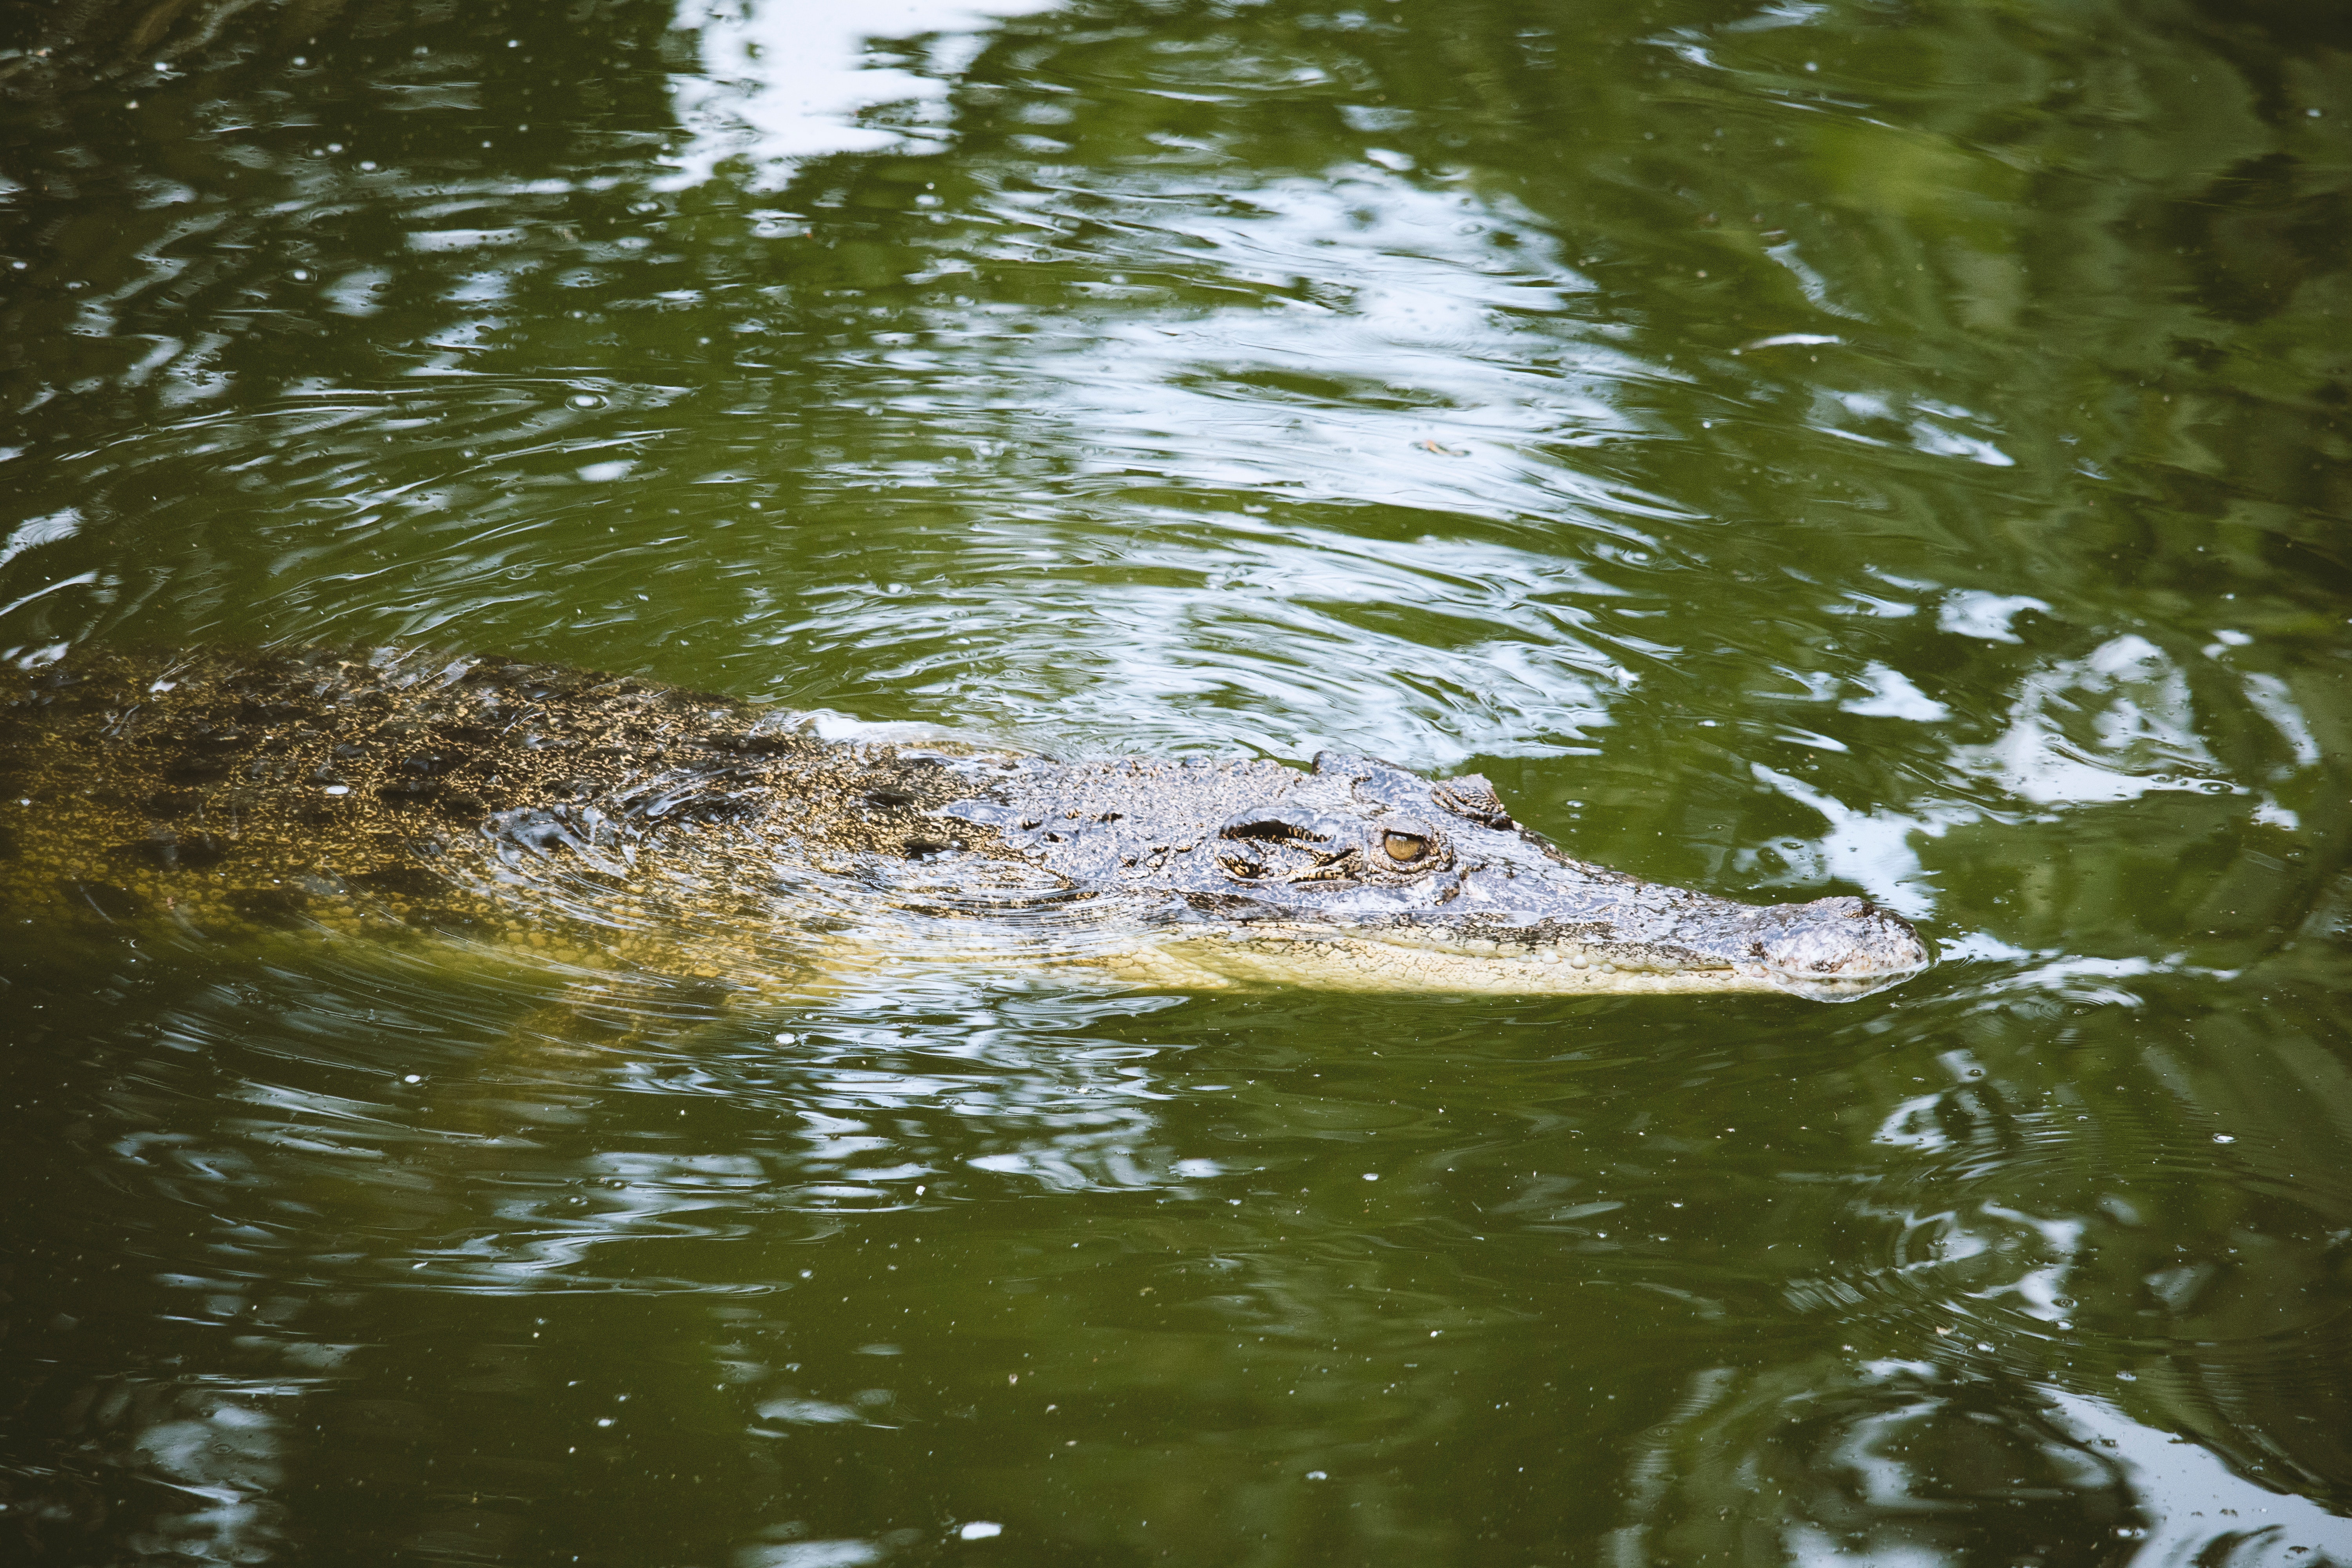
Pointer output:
x,y
1895,1462
1783,450
866,1198
783,80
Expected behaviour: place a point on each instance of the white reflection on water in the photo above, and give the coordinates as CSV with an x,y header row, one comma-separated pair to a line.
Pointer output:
x,y
787,80
228,1455
58,525
2199,1510
1373,352
1872,850
2121,722
1373,355
1234,633
1899,1464
213,1456
2111,726
934,1087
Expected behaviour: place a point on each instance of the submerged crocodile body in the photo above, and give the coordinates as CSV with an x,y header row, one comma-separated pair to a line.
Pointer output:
x,y
607,821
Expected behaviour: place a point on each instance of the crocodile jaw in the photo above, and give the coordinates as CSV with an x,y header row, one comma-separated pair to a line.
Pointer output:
x,y
1432,959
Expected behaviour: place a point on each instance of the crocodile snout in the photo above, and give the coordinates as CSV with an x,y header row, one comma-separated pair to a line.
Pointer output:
x,y
1841,939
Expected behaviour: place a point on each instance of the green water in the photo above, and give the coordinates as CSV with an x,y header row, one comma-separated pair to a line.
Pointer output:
x,y
1817,449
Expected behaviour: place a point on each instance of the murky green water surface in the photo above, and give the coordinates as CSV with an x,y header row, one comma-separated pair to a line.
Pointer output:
x,y
1840,447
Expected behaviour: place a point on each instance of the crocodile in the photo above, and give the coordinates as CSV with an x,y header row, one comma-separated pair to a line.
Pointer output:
x,y
605,822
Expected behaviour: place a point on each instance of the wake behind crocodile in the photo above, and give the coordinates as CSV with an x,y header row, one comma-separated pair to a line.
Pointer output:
x,y
609,822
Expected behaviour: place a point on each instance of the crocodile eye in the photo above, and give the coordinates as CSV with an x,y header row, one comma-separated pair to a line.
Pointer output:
x,y
1404,848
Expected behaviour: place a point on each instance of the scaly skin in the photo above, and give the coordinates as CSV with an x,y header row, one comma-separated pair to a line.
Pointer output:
x,y
610,822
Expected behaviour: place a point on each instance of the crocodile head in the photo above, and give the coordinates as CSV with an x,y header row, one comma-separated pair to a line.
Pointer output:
x,y
1363,876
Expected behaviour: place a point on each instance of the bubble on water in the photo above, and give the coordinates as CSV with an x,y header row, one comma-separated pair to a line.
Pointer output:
x,y
980,1530
585,400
